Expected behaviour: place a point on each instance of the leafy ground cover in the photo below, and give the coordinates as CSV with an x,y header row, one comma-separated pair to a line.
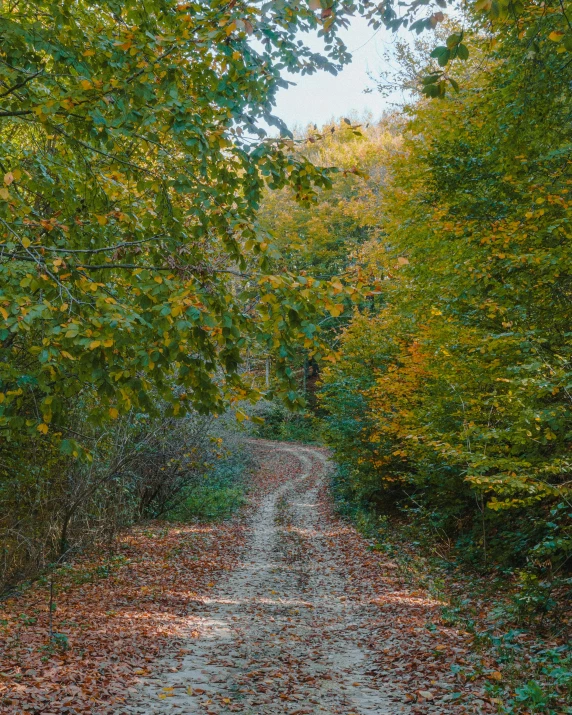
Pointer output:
x,y
115,613
436,640
519,628
112,616
312,620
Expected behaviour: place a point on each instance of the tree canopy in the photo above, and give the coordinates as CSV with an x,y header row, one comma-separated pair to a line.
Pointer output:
x,y
133,165
452,394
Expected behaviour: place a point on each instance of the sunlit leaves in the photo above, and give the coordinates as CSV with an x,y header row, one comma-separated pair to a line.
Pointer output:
x,y
453,391
133,168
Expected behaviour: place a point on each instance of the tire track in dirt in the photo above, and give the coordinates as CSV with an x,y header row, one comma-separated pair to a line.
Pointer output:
x,y
312,620
280,635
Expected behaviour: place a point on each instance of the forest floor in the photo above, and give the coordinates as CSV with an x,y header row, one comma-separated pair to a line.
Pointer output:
x,y
285,609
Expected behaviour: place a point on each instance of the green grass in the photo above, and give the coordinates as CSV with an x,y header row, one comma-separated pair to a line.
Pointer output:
x,y
218,495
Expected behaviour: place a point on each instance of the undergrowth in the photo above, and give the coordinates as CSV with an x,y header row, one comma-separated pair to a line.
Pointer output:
x,y
287,426
519,620
220,493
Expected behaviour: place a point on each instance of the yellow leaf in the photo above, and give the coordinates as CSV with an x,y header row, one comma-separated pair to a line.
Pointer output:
x,y
64,307
4,313
556,36
113,413
86,84
4,194
8,178
89,53
495,675
2,397
402,261
101,220
158,279
94,344
43,428
108,343
67,355
17,174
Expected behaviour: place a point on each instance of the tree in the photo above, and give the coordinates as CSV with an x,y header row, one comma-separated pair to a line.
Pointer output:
x,y
454,390
132,172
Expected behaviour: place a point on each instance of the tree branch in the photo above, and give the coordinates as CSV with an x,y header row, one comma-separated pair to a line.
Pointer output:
x,y
21,84
19,113
95,250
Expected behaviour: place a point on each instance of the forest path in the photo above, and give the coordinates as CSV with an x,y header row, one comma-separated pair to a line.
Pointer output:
x,y
296,627
281,635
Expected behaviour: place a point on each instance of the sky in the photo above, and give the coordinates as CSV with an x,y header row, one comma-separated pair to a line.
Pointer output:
x,y
320,97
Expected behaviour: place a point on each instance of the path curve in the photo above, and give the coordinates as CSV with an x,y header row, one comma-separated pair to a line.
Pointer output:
x,y
280,635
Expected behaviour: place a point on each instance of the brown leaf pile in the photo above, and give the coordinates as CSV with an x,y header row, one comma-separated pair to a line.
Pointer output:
x,y
113,627
414,647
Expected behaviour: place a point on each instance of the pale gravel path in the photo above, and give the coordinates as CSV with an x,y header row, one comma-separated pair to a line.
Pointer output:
x,y
281,635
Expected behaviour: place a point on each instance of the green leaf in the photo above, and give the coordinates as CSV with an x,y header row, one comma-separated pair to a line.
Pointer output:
x,y
463,52
438,51
454,39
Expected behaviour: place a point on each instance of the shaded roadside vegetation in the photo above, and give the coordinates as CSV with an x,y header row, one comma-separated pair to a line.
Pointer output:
x,y
447,404
134,277
519,623
54,506
448,392
451,393
222,490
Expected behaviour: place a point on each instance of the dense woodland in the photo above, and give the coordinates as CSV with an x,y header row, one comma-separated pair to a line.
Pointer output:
x,y
179,271
450,390
401,283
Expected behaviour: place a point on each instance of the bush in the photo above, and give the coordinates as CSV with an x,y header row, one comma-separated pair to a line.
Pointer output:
x,y
53,504
284,425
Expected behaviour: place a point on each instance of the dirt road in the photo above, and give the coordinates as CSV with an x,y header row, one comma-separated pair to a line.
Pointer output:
x,y
293,629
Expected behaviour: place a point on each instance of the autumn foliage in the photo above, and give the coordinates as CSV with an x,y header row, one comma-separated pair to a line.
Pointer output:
x,y
452,393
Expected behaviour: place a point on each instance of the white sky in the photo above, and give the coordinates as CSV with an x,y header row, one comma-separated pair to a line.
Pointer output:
x,y
321,97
